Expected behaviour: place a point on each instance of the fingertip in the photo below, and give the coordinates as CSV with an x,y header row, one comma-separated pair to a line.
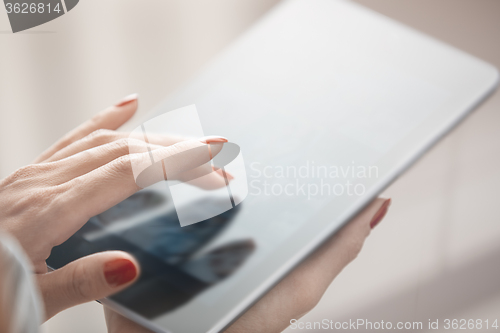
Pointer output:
x,y
119,272
215,148
381,213
114,116
213,139
129,99
121,269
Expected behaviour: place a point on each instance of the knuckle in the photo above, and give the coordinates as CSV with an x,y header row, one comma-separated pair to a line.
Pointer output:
x,y
97,119
22,174
310,303
27,177
353,248
137,146
122,164
181,147
101,132
186,145
121,146
308,293
101,136
28,190
168,153
81,282
309,299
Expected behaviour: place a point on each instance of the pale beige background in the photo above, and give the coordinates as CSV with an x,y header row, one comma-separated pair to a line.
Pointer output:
x,y
437,253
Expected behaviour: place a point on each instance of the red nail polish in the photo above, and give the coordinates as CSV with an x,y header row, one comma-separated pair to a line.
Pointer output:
x,y
379,215
127,99
119,272
213,139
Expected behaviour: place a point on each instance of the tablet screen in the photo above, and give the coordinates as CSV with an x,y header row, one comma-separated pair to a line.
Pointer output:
x,y
301,153
328,102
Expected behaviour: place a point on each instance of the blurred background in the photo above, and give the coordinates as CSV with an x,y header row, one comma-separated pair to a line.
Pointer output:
x,y
437,253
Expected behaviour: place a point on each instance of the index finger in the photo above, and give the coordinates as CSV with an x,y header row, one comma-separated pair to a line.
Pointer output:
x,y
102,188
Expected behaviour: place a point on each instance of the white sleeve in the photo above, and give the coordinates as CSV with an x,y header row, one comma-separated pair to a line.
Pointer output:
x,y
20,306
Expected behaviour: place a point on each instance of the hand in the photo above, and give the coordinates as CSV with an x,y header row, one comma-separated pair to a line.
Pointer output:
x,y
302,289
85,173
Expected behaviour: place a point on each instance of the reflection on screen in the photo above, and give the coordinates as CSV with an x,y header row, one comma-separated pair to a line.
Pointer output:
x,y
174,267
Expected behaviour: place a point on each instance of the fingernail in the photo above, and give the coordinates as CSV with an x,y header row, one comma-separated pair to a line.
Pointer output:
x,y
379,215
127,99
119,272
213,139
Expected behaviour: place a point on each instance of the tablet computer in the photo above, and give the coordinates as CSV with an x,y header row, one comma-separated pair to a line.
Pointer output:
x,y
329,103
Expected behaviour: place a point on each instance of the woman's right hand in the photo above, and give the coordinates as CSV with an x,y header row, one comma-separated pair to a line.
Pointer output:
x,y
300,291
82,175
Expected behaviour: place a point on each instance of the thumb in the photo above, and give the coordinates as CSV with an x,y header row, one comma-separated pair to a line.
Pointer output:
x,y
86,279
